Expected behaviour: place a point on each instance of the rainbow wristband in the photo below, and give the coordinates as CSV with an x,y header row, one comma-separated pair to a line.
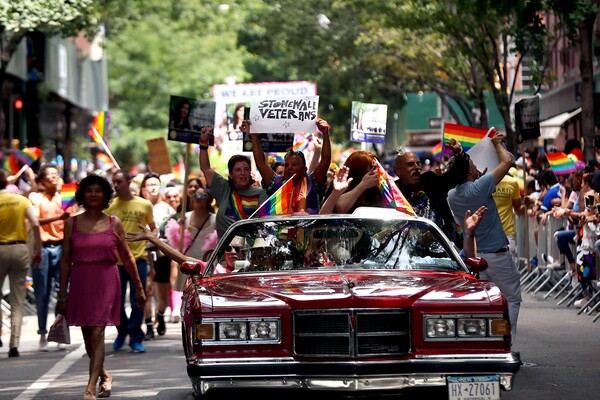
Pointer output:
x,y
204,144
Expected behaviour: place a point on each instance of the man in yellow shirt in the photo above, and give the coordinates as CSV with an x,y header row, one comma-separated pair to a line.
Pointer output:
x,y
508,201
14,254
132,211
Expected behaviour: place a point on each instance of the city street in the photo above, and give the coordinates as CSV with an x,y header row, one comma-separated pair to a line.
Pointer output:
x,y
558,347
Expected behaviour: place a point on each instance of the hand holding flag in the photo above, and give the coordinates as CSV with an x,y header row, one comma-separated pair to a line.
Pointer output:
x,y
67,192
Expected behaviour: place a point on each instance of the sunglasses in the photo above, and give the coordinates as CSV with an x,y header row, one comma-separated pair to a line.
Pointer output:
x,y
230,248
401,150
202,195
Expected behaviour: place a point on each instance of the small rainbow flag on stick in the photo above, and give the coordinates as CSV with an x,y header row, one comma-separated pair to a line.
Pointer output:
x,y
467,136
301,141
391,195
100,124
560,163
67,192
280,202
436,150
104,162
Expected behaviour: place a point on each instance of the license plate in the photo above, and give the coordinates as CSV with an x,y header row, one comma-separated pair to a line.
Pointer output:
x,y
486,387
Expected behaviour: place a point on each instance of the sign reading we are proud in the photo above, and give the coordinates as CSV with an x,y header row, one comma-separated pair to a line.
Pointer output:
x,y
284,114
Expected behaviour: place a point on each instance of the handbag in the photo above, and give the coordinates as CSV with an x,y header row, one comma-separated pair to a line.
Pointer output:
x,y
59,331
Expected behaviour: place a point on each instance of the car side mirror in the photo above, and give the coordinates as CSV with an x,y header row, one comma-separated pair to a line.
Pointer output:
x,y
190,268
476,264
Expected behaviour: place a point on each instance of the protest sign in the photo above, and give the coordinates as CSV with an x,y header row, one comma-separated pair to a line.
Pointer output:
x,y
160,161
284,114
236,113
187,116
369,122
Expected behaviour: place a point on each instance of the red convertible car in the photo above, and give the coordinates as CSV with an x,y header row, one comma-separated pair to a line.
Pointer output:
x,y
352,303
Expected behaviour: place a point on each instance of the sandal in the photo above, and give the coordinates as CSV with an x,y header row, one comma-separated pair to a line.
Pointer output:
x,y
89,396
105,386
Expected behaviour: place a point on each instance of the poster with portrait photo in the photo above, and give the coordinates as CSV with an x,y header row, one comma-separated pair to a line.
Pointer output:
x,y
187,116
236,113
369,122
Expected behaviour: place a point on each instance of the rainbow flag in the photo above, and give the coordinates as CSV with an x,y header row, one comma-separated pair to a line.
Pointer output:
x,y
100,124
436,150
179,171
560,163
279,202
467,136
67,192
391,195
18,158
104,162
301,141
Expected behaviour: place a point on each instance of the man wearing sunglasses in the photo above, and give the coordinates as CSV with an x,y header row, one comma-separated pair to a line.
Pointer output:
x,y
427,191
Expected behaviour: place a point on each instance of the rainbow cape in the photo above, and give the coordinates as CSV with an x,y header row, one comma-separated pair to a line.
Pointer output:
x,y
467,136
391,195
560,163
104,162
100,124
436,150
279,202
67,192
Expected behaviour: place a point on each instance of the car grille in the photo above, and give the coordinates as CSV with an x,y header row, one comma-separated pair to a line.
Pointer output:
x,y
353,333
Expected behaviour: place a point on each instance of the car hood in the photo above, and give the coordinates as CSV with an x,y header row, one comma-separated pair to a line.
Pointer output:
x,y
348,288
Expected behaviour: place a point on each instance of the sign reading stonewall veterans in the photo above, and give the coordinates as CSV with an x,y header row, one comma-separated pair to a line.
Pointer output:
x,y
369,122
277,119
187,116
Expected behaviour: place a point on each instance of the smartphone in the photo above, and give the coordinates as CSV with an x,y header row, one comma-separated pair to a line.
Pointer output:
x,y
246,112
589,200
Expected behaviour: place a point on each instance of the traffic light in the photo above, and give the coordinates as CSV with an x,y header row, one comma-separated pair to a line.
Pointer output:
x,y
15,118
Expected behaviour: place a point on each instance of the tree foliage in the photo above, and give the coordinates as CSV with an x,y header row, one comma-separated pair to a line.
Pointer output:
x,y
176,48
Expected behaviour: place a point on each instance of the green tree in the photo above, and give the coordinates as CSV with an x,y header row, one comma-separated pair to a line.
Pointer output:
x,y
176,48
577,19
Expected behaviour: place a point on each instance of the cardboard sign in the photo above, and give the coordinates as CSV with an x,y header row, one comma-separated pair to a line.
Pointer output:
x,y
369,122
284,114
187,116
159,156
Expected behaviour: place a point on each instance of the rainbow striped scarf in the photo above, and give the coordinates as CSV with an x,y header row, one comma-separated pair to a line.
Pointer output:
x,y
242,206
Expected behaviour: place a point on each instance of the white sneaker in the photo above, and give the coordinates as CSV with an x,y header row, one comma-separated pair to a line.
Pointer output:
x,y
61,346
579,303
43,342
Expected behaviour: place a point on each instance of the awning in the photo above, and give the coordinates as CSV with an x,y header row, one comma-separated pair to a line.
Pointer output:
x,y
550,128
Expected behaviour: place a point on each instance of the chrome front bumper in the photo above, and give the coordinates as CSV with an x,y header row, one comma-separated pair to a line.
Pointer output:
x,y
429,371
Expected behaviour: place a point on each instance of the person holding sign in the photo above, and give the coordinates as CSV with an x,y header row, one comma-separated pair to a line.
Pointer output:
x,y
236,196
473,191
308,188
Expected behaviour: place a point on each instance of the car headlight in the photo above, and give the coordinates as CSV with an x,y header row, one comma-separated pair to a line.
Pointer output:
x,y
440,328
264,330
466,327
243,330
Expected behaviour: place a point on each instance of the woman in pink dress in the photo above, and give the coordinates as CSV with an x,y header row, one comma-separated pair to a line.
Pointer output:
x,y
93,241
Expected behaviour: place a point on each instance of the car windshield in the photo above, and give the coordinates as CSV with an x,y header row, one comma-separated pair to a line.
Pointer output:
x,y
344,243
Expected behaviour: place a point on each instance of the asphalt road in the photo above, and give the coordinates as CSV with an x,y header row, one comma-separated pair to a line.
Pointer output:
x,y
560,349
